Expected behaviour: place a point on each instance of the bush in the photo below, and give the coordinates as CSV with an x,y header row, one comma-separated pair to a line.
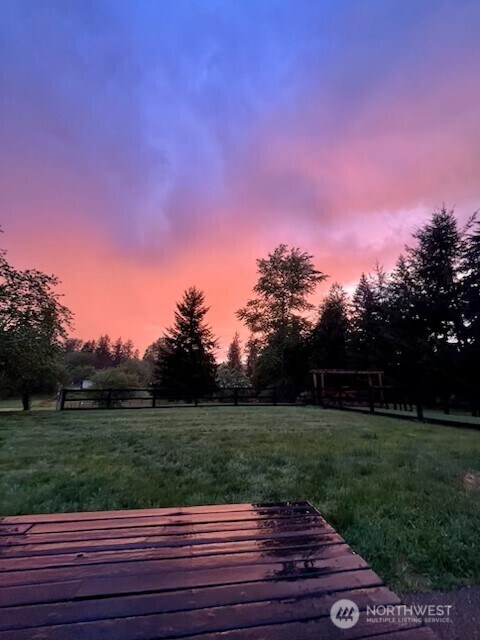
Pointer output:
x,y
115,378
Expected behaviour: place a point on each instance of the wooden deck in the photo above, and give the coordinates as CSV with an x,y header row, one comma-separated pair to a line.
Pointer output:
x,y
232,572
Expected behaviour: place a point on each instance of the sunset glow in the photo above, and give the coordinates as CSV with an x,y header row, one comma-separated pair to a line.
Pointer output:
x,y
150,146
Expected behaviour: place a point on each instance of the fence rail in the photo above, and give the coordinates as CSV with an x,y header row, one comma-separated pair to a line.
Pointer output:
x,y
157,398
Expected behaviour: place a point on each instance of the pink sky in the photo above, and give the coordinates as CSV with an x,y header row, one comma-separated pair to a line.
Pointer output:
x,y
148,147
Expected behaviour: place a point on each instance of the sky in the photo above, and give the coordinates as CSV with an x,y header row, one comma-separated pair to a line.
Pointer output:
x,y
150,145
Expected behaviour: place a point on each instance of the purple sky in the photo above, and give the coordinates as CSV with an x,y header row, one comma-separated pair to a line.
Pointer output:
x,y
148,146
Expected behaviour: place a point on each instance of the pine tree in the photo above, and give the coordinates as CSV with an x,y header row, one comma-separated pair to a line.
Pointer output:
x,y
234,354
252,351
103,353
232,372
117,352
471,300
331,334
436,264
186,364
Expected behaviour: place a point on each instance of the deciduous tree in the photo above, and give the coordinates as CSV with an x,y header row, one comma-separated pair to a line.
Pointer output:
x,y
276,316
33,328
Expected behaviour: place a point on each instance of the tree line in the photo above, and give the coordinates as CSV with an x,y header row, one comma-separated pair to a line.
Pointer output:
x,y
420,323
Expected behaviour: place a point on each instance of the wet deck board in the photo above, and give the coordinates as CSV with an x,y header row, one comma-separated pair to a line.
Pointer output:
x,y
228,572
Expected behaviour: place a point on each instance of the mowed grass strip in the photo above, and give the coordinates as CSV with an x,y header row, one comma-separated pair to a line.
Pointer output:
x,y
406,496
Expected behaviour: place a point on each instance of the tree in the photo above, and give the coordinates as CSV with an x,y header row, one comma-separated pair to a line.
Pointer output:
x,y
368,319
73,345
186,362
436,264
406,333
232,372
89,346
234,354
330,335
231,378
276,315
103,353
78,374
286,279
252,352
151,358
117,355
33,328
471,305
115,378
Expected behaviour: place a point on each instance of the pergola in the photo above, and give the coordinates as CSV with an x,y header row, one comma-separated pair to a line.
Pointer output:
x,y
320,374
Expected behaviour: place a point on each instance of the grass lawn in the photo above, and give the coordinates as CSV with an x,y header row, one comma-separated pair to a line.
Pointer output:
x,y
37,402
405,496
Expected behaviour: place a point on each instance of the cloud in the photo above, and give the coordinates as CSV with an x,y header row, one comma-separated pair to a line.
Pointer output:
x,y
156,143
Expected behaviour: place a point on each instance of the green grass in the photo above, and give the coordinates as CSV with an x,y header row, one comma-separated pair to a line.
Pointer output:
x,y
395,490
37,402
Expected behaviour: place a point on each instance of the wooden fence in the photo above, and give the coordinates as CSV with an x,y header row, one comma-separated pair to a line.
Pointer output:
x,y
156,398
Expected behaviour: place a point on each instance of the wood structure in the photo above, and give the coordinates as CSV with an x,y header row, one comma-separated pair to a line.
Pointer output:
x,y
319,376
224,572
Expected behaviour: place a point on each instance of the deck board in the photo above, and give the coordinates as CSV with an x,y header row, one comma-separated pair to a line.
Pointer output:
x,y
219,572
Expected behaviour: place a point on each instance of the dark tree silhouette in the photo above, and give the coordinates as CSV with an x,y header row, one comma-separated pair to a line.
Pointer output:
x,y
471,300
435,264
369,316
276,315
234,354
186,362
330,336
103,353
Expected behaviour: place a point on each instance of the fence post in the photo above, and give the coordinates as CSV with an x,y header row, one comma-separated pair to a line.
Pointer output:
x,y
235,396
109,399
63,393
275,396
372,401
153,398
419,410
340,399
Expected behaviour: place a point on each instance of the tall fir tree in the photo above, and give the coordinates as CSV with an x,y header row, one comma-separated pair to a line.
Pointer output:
x,y
186,363
234,354
103,352
471,306
436,264
330,336
231,373
252,352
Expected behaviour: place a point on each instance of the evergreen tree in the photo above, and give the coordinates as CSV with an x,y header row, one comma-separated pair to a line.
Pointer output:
x,y
117,354
89,346
186,362
471,299
234,354
436,264
369,314
330,336
252,351
232,372
406,334
103,353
